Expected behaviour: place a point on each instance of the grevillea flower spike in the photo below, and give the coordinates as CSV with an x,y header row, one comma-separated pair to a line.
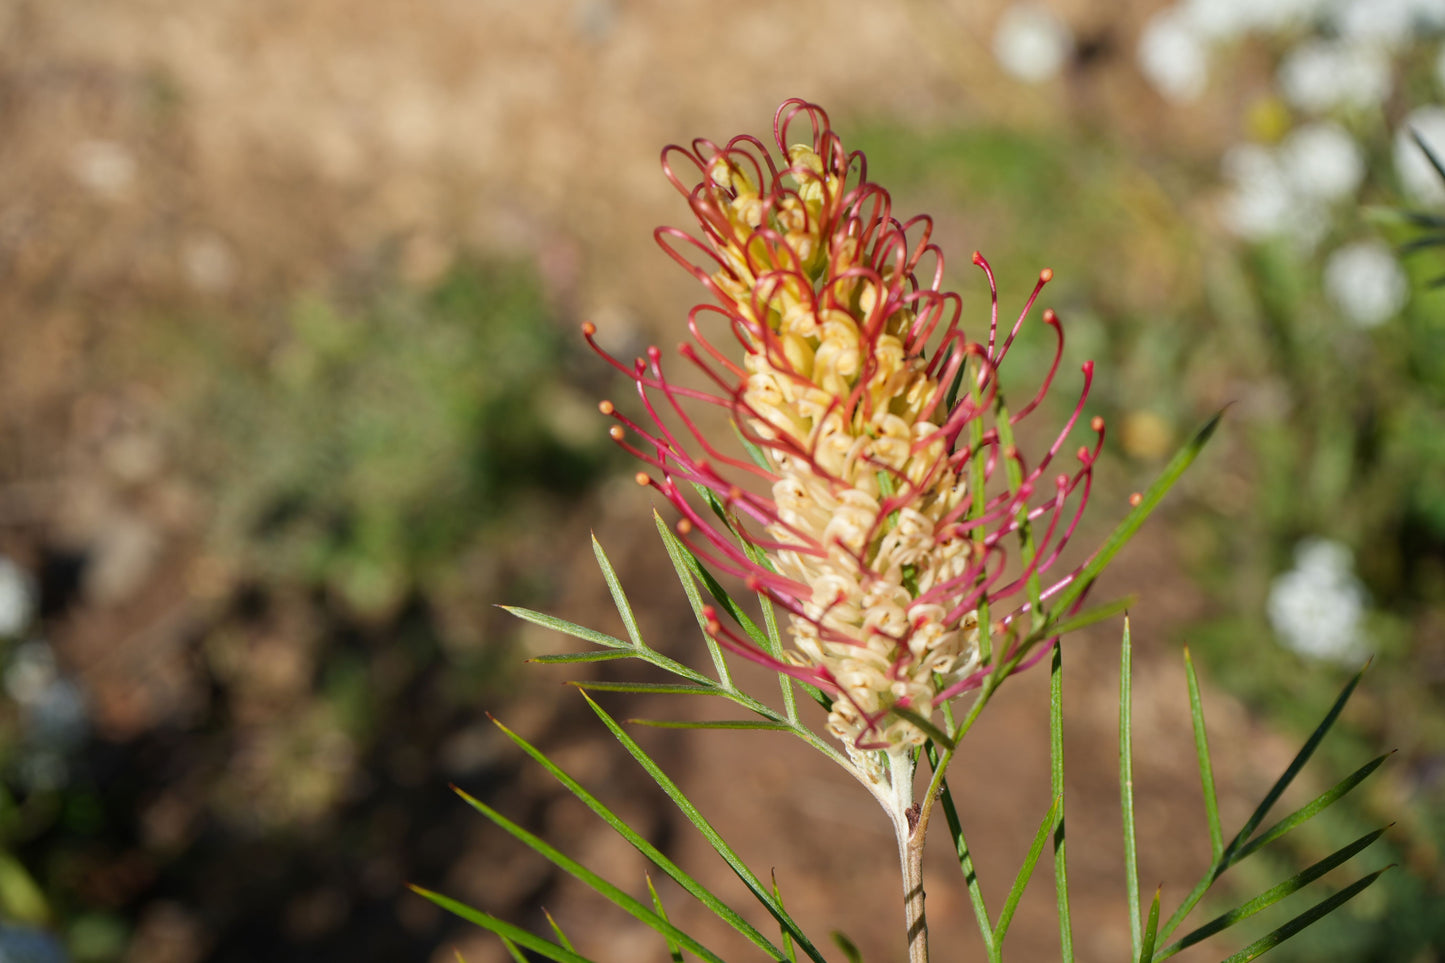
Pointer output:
x,y
884,491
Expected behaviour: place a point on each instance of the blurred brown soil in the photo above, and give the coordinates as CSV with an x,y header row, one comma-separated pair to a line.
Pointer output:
x,y
159,156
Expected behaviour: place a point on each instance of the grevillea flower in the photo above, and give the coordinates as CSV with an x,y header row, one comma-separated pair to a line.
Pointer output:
x,y
884,490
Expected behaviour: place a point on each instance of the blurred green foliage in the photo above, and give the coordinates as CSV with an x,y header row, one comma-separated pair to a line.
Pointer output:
x,y
378,441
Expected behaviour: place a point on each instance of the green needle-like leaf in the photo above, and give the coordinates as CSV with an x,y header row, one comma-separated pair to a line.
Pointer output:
x,y
1026,871
512,950
651,688
1084,619
566,628
502,928
1315,913
619,597
1151,930
561,937
1312,808
606,655
846,945
1126,782
787,940
719,845
673,950
687,568
1201,752
1271,896
1056,778
567,864
717,724
699,892
1298,763
1131,523
1237,847
965,859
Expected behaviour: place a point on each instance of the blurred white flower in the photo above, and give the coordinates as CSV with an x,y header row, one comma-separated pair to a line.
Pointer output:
x,y
1316,608
1032,43
1320,76
1321,160
17,598
1366,282
1417,176
1391,23
1258,203
1173,56
1229,19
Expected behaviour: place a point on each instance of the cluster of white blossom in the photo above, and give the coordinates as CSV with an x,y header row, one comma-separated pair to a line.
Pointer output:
x,y
1317,608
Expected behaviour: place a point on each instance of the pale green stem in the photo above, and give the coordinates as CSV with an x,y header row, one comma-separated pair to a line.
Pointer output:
x,y
910,852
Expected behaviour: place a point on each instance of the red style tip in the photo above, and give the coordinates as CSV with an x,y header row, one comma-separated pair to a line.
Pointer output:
x,y
642,478
1097,424
1011,452
1083,453
588,328
684,527
1046,275
616,433
1135,500
1050,317
606,407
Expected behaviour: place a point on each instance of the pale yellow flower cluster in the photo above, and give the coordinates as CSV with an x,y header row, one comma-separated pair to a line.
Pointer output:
x,y
865,494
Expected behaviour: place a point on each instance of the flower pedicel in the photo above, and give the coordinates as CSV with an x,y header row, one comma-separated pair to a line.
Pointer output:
x,y
885,486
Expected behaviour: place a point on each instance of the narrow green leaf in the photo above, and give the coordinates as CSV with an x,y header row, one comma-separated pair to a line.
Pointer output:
x,y
632,906
1056,779
1312,915
1272,895
619,597
687,565
754,452
606,655
1201,752
502,928
1151,930
717,724
775,649
1131,523
512,951
557,930
1126,783
787,940
673,950
1236,848
846,945
1026,870
1098,613
965,858
651,688
719,845
699,892
1312,808
926,726
1298,763
565,627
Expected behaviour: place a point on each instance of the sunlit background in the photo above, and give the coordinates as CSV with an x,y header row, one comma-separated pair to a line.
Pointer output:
x,y
291,393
